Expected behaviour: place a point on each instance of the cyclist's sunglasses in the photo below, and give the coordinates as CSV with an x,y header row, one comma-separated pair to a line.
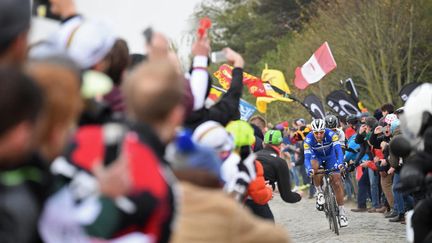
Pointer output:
x,y
318,132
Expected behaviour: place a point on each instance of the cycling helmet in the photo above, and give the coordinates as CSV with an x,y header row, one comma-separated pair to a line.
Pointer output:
x,y
318,125
300,122
331,121
242,132
273,137
352,119
417,116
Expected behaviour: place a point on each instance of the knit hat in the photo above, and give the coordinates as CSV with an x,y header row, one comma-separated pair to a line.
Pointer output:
x,y
394,125
205,159
273,137
242,132
202,158
390,118
212,134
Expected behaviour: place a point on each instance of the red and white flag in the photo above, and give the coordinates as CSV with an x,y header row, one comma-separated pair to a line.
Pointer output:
x,y
321,63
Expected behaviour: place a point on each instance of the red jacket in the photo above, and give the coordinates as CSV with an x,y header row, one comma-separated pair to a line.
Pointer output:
x,y
257,189
349,132
377,153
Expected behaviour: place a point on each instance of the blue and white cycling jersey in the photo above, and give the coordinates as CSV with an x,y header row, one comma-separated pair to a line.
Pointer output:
x,y
329,150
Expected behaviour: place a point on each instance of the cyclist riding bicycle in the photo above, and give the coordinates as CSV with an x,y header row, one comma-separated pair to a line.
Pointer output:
x,y
322,145
332,122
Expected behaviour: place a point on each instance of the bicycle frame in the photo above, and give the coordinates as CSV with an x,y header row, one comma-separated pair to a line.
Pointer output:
x,y
331,208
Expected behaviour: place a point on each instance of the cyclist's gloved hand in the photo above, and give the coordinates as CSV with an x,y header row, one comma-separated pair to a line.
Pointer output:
x,y
350,166
342,167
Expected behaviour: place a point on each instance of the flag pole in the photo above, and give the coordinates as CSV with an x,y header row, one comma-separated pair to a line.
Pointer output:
x,y
322,97
300,102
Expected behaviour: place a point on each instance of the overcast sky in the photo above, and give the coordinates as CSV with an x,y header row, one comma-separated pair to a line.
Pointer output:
x,y
130,17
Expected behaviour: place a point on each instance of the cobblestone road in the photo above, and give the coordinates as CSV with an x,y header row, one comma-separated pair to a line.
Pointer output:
x,y
305,224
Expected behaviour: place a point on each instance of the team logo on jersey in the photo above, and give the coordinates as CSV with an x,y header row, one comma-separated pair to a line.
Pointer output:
x,y
306,146
335,138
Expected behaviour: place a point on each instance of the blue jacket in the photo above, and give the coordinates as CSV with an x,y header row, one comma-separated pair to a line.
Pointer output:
x,y
328,148
350,155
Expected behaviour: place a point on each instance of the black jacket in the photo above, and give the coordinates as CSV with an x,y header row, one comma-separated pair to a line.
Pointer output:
x,y
23,191
276,170
364,148
376,139
224,111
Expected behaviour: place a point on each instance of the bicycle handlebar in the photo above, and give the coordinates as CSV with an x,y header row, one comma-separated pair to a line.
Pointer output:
x,y
324,171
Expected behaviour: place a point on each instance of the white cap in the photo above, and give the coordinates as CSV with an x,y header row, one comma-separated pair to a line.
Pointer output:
x,y
87,42
213,135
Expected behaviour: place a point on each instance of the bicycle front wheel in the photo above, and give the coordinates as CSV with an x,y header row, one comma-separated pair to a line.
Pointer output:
x,y
334,212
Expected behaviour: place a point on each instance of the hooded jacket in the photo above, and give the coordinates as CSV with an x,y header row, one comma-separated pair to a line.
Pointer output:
x,y
276,171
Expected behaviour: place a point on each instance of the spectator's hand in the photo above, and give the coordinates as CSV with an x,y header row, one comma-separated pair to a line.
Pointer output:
x,y
368,129
364,164
234,58
391,171
383,162
376,159
362,128
114,181
201,47
267,184
378,130
158,47
311,172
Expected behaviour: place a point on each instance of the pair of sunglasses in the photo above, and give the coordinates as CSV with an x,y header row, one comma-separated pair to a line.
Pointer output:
x,y
318,132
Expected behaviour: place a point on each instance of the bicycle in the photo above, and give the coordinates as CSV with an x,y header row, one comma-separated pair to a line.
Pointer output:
x,y
331,208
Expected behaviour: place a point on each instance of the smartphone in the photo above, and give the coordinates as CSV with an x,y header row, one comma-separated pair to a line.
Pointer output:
x,y
218,57
148,34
